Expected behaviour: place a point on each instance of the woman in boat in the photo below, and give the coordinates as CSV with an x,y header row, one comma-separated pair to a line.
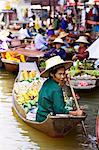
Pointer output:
x,y
51,99
82,52
57,50
24,32
63,36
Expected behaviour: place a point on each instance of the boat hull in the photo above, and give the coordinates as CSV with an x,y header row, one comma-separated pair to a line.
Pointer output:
x,y
54,126
10,66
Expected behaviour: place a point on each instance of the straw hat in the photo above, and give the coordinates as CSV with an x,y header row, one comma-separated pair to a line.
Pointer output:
x,y
53,62
87,34
62,34
82,39
58,40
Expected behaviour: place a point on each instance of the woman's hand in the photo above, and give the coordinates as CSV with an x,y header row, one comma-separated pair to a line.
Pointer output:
x,y
79,112
76,112
74,57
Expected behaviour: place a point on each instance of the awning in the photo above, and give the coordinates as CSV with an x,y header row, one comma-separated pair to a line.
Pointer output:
x,y
94,50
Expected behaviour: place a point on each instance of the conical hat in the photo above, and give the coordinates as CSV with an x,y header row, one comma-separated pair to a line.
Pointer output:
x,y
58,40
62,34
52,62
82,39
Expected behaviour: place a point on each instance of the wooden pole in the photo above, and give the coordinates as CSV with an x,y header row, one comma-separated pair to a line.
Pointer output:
x,y
77,105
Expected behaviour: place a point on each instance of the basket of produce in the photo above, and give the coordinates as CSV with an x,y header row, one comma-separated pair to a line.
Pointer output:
x,y
83,76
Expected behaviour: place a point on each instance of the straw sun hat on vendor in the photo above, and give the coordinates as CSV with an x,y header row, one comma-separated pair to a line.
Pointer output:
x,y
82,39
58,40
53,62
62,34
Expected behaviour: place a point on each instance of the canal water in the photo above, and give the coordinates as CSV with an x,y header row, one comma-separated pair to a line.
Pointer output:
x,y
16,135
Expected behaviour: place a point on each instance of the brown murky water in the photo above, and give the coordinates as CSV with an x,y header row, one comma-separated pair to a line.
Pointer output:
x,y
16,135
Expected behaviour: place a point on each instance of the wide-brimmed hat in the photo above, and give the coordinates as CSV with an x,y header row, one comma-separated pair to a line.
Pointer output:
x,y
53,62
87,34
82,39
58,40
62,34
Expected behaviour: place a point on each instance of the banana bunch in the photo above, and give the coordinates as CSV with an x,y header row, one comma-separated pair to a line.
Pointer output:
x,y
11,57
32,74
20,99
25,75
22,58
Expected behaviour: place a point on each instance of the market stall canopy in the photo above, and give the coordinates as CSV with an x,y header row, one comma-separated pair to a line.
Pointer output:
x,y
44,2
94,50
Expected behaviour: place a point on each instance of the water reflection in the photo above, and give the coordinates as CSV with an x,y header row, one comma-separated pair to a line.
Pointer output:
x,y
17,135
47,143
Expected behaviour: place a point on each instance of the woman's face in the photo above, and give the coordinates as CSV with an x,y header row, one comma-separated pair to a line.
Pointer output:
x,y
60,76
82,45
58,45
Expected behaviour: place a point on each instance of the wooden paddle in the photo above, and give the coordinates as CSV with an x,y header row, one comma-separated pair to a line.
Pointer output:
x,y
77,105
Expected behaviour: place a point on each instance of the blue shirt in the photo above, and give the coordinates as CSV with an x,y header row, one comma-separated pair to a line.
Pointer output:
x,y
57,52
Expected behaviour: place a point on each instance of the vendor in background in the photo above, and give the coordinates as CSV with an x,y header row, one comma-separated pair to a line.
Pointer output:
x,y
50,30
51,99
63,23
24,32
63,36
57,50
88,37
71,39
68,47
39,41
5,40
81,54
50,40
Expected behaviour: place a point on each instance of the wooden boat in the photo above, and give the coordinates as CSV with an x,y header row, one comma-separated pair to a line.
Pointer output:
x,y
91,83
30,55
10,66
97,129
54,126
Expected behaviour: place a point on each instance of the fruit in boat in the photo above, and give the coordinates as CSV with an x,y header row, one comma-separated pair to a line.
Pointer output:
x,y
22,58
32,74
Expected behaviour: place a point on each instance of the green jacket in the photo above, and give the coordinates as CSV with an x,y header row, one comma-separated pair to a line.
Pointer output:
x,y
51,100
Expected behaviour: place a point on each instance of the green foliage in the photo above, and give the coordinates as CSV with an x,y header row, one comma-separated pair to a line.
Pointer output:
x,y
92,72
